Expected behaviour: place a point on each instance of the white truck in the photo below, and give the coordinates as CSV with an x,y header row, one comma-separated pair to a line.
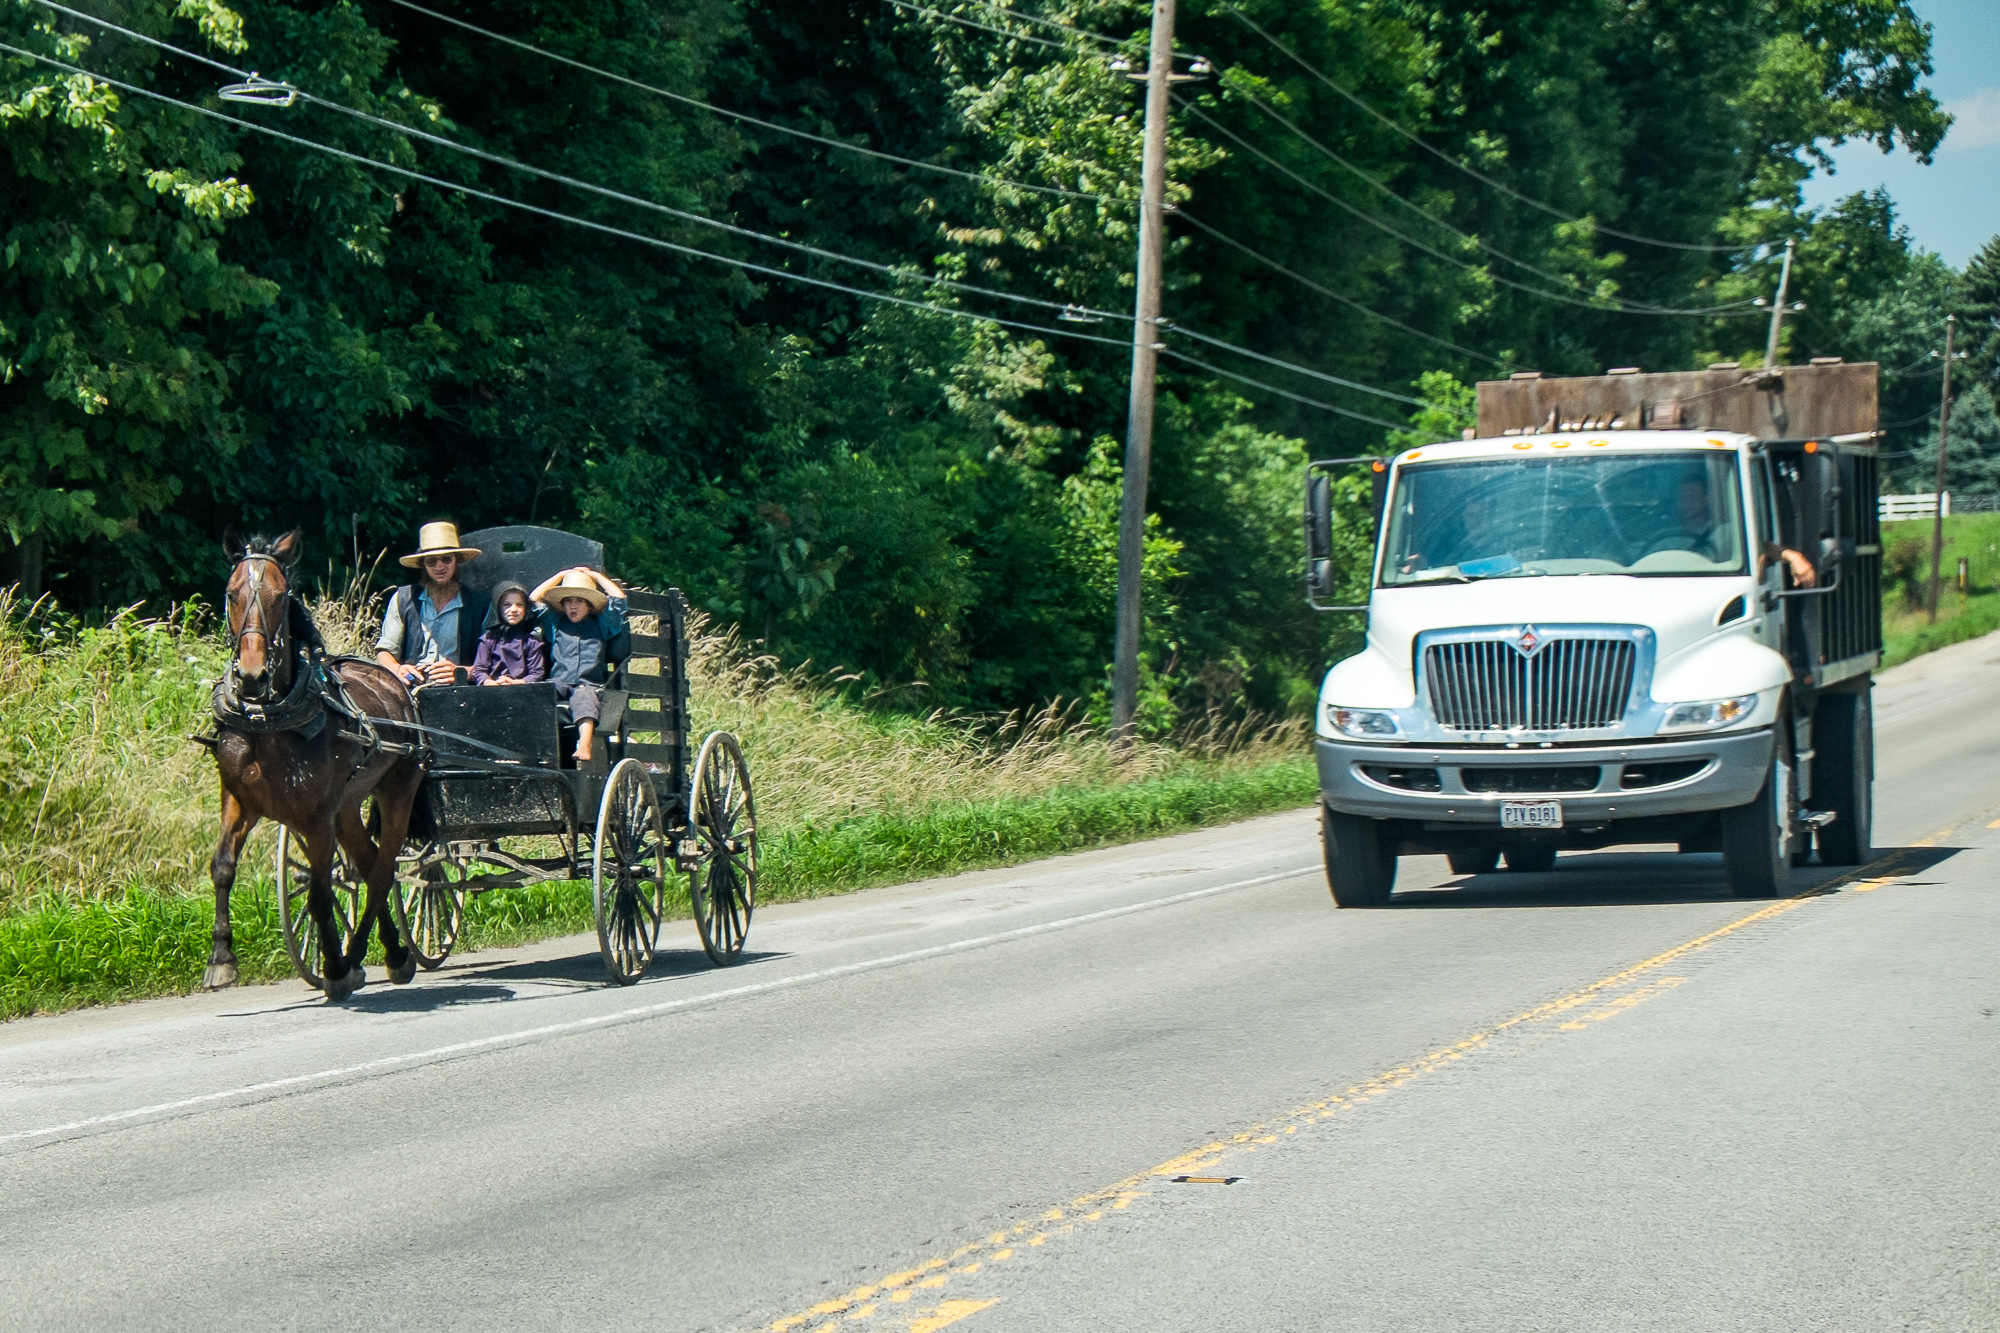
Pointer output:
x,y
1630,609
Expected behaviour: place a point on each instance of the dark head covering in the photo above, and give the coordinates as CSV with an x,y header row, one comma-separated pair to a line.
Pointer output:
x,y
500,590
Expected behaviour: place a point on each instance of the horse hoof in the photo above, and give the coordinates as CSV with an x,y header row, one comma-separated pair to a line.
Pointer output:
x,y
219,976
348,982
405,972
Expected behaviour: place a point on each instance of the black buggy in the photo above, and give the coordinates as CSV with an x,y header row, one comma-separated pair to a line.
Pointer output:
x,y
503,803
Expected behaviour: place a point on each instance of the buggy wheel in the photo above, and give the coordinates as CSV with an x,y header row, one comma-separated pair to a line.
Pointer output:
x,y
722,819
302,940
430,909
629,872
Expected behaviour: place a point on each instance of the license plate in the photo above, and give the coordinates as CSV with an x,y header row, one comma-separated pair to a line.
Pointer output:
x,y
1531,814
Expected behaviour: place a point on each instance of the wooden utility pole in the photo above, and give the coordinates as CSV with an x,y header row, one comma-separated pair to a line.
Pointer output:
x,y
1944,419
1145,367
1778,306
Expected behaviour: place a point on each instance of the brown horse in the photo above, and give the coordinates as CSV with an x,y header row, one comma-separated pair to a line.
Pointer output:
x,y
284,755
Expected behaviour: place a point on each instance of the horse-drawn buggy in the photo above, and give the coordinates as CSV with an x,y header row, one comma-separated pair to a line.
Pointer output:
x,y
503,802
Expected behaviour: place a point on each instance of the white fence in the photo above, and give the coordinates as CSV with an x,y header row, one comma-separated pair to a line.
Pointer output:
x,y
1895,508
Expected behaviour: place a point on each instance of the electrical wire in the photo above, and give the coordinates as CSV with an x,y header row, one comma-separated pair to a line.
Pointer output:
x,y
1373,221
635,200
765,124
983,27
1473,172
1273,361
655,241
1303,281
1382,188
1037,19
1282,393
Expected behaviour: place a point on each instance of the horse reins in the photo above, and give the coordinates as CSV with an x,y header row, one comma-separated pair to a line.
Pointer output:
x,y
276,645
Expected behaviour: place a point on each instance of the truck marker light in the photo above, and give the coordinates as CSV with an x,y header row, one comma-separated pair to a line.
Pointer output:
x,y
1559,444
1718,444
1812,446
1413,455
1378,466
1599,444
1524,445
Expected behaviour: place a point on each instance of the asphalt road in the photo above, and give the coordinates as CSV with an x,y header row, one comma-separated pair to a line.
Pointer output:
x,y
1608,1097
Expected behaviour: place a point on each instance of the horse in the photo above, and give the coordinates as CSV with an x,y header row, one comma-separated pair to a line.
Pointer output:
x,y
289,751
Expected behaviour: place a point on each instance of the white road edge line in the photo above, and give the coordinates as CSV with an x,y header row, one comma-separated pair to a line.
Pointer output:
x,y
642,1011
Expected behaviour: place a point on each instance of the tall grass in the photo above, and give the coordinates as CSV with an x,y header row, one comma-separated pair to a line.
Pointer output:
x,y
108,814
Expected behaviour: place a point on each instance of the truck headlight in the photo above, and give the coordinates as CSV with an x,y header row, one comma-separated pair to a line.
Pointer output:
x,y
1363,723
1708,715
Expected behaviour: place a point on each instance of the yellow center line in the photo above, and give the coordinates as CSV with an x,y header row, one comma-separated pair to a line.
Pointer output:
x,y
1601,993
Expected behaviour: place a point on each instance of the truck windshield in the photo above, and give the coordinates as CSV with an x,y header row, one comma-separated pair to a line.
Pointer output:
x,y
1661,514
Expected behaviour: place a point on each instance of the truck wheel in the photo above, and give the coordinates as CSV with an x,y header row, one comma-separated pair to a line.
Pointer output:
x,y
1359,869
1844,776
1478,861
1756,838
1531,860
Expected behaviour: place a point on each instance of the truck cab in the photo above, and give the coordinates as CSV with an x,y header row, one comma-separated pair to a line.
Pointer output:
x,y
1591,629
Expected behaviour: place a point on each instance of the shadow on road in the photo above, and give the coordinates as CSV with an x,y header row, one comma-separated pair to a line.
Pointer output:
x,y
1623,879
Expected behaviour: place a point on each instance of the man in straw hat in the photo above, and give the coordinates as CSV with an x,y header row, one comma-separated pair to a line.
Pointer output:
x,y
589,612
427,634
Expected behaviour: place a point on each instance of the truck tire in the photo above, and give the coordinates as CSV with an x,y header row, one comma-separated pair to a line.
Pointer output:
x,y
1531,860
1360,870
1844,776
1478,861
1756,840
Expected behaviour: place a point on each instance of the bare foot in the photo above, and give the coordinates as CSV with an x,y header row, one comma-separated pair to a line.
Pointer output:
x,y
582,755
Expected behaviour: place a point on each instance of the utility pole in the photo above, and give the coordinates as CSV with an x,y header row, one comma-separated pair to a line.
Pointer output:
x,y
1944,419
1145,367
1778,306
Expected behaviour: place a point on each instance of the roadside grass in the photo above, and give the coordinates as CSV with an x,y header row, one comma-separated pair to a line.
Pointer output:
x,y
61,955
109,815
1906,570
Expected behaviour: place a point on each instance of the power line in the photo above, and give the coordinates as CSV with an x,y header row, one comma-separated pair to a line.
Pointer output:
x,y
1282,393
1037,19
641,237
983,27
635,200
1381,188
1328,292
764,124
1373,221
474,192
1476,174
1273,361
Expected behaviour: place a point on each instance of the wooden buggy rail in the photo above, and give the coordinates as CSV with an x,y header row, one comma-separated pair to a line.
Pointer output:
x,y
655,725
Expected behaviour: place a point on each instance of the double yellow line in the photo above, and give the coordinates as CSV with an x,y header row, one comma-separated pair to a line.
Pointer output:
x,y
895,1300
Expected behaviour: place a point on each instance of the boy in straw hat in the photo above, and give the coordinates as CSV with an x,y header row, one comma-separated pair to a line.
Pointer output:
x,y
587,611
427,634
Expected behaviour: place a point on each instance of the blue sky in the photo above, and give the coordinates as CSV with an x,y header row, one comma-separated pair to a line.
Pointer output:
x,y
1953,205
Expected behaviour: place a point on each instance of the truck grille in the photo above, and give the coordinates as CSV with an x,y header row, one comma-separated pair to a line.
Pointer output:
x,y
1570,685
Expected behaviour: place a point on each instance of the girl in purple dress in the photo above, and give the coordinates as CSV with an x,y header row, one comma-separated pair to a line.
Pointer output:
x,y
511,652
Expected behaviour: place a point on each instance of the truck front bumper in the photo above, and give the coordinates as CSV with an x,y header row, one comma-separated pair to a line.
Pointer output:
x,y
1597,784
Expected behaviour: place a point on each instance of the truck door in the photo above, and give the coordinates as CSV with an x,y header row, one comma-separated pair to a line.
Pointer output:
x,y
1770,571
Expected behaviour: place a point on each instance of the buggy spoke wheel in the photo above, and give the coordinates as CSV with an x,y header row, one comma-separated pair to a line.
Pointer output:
x,y
430,909
302,940
629,872
722,819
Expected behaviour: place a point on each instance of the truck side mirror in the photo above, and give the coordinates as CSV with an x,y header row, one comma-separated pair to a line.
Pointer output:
x,y
1319,517
1319,536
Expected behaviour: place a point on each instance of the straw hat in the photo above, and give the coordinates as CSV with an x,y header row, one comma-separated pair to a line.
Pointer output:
x,y
576,585
438,539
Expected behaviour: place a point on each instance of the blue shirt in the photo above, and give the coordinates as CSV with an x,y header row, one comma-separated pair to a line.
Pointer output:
x,y
437,630
578,651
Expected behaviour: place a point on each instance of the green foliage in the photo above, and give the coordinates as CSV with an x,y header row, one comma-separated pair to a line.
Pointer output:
x,y
204,327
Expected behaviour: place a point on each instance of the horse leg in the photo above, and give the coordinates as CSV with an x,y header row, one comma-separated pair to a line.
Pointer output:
x,y
341,977
396,798
372,861
236,825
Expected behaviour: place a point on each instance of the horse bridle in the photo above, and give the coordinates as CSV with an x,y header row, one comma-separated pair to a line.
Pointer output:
x,y
276,644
